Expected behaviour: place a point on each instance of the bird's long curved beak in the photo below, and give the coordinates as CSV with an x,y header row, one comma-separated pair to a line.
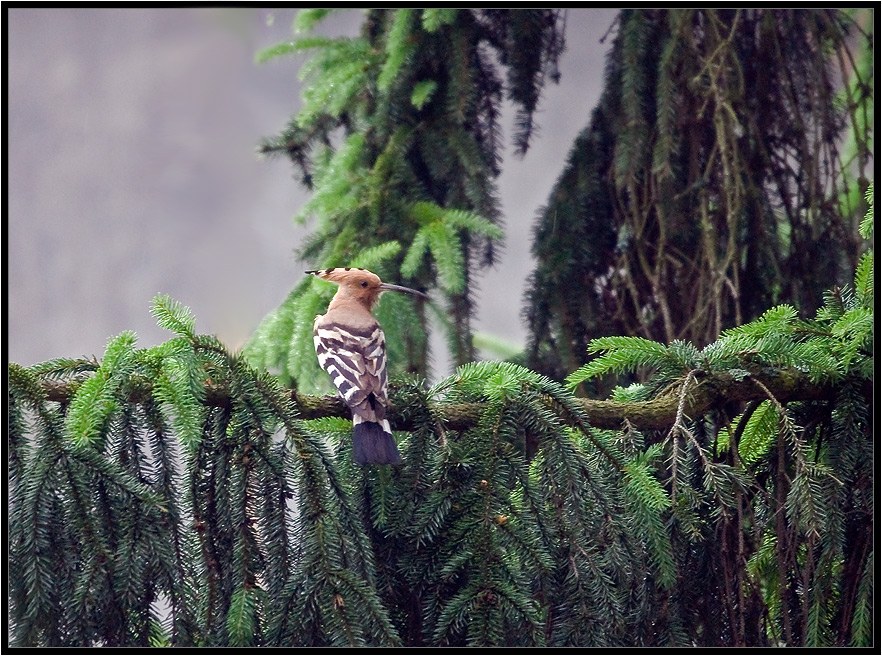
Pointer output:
x,y
387,287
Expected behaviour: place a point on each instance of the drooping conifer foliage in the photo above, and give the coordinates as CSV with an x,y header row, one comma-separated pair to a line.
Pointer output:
x,y
721,174
177,496
181,495
769,506
399,140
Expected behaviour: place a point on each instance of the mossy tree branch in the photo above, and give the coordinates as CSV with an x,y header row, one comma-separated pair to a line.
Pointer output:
x,y
711,390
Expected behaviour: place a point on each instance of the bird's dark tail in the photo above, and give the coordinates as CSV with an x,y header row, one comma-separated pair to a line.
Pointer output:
x,y
372,444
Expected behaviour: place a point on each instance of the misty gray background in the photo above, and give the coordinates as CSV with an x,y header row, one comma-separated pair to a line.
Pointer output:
x,y
132,170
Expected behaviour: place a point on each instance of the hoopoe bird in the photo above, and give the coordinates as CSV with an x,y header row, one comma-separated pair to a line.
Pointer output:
x,y
351,347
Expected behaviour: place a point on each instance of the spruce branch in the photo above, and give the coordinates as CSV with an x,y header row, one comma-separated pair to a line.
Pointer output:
x,y
708,391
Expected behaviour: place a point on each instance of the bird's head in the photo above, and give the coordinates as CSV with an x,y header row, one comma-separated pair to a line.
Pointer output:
x,y
360,284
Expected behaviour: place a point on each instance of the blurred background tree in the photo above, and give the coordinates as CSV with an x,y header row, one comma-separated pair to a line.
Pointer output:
x,y
399,140
721,173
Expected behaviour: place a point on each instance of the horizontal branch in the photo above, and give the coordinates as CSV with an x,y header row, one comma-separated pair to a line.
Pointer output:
x,y
708,392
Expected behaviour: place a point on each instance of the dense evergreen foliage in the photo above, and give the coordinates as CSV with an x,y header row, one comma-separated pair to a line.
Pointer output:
x,y
175,495
183,495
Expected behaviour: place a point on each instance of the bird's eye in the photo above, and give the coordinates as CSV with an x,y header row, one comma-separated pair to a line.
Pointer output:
x,y
364,283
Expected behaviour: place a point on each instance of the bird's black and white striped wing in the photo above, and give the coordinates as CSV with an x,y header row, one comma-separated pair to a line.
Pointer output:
x,y
356,362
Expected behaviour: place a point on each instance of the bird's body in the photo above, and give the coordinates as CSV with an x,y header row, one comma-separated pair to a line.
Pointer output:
x,y
351,347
